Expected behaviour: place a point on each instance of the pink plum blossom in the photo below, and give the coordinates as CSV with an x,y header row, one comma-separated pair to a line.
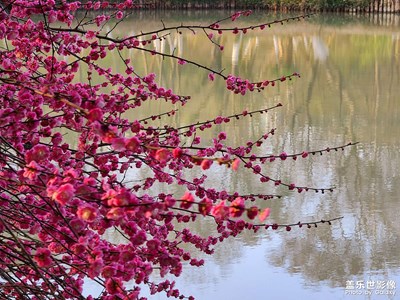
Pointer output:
x,y
87,213
43,257
64,193
132,144
264,214
205,206
38,153
187,200
235,164
119,15
177,152
237,207
162,155
220,211
95,114
206,164
118,143
32,170
252,212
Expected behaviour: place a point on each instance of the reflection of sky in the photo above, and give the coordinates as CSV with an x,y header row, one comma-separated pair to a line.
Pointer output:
x,y
252,277
348,225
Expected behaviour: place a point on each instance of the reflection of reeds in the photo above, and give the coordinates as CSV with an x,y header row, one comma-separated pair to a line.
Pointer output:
x,y
272,53
281,5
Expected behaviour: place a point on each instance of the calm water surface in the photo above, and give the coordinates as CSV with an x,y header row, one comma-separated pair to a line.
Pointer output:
x,y
349,91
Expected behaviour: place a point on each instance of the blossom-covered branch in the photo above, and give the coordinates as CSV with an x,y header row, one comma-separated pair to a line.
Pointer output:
x,y
59,196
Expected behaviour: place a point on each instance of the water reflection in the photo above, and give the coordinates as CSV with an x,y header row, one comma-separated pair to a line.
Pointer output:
x,y
350,67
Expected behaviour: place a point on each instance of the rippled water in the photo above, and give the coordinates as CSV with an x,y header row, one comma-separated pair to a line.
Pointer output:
x,y
349,91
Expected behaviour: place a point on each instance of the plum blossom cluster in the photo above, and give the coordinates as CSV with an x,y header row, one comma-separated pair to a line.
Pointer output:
x,y
241,86
58,199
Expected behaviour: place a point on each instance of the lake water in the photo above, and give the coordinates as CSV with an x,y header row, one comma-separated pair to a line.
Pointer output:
x,y
349,90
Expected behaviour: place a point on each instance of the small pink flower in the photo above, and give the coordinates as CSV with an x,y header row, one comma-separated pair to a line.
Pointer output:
x,y
114,285
37,153
235,164
127,255
304,154
119,15
237,207
139,238
252,212
187,200
153,245
95,267
43,257
78,248
235,16
177,152
218,120
31,170
205,206
118,144
211,76
169,201
206,164
222,136
71,173
77,225
108,133
135,127
115,213
64,193
132,144
123,198
97,6
181,61
283,155
162,155
90,34
264,214
220,211
52,16
95,114
108,272
87,213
